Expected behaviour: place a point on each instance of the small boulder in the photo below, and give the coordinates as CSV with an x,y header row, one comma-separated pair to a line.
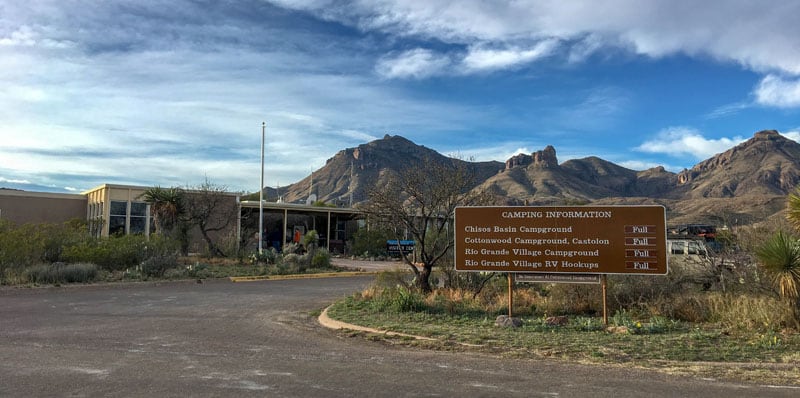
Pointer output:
x,y
556,320
506,321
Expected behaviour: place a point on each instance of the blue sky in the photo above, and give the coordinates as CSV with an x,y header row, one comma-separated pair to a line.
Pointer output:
x,y
173,92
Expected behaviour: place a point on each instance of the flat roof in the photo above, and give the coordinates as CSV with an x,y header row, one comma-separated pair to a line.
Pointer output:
x,y
48,195
300,207
143,188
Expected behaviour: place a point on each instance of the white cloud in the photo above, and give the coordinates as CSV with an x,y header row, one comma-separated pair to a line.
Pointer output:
x,y
499,153
776,91
792,135
13,181
677,141
417,63
481,57
23,36
641,165
762,37
727,110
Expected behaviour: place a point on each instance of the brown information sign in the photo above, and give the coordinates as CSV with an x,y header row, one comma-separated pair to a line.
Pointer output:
x,y
569,239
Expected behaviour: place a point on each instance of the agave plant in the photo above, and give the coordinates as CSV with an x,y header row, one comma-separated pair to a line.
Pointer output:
x,y
780,256
167,207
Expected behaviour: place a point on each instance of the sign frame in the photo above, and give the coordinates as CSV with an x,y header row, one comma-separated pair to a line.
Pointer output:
x,y
561,239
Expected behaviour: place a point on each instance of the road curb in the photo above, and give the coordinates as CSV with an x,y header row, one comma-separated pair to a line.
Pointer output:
x,y
298,276
330,323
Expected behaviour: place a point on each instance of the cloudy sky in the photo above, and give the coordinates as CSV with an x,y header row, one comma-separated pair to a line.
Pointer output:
x,y
173,92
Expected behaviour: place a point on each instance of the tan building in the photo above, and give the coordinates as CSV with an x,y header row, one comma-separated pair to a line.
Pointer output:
x,y
21,207
112,209
117,209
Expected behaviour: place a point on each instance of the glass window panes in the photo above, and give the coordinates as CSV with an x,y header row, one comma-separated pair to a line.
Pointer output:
x,y
678,247
138,209
138,224
696,248
119,208
116,225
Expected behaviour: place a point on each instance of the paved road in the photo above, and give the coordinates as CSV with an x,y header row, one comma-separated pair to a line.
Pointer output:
x,y
257,339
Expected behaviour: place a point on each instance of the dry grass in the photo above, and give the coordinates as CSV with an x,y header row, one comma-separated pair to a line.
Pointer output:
x,y
751,312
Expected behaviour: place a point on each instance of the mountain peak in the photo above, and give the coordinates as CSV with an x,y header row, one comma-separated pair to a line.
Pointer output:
x,y
767,135
546,158
764,164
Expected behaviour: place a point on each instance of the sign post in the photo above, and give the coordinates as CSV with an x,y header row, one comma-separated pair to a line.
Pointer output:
x,y
604,285
510,294
552,240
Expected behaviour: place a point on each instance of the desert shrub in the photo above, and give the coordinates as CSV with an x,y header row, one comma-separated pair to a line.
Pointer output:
x,y
389,279
292,248
18,247
370,242
749,312
128,251
657,294
57,273
689,308
229,246
268,256
31,244
564,299
112,254
291,263
472,281
156,264
399,299
321,259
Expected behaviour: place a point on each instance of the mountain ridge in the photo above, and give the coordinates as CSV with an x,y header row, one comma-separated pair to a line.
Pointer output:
x,y
742,184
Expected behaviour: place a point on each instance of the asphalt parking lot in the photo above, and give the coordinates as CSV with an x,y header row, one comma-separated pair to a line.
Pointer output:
x,y
220,338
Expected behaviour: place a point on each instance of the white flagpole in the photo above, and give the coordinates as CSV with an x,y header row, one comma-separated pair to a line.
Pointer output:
x,y
261,194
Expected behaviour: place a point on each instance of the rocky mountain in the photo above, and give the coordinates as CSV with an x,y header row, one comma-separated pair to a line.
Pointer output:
x,y
747,183
351,173
767,164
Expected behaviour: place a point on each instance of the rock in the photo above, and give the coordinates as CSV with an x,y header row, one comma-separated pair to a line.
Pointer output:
x,y
506,321
556,320
519,160
617,329
546,158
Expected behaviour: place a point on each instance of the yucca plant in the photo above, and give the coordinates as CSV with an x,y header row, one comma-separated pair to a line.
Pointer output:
x,y
167,206
793,208
780,257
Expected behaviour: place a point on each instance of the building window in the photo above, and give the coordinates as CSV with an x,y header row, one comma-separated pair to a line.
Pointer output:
x,y
138,217
678,247
96,219
116,220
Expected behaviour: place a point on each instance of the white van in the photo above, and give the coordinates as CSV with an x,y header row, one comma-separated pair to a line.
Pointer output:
x,y
686,247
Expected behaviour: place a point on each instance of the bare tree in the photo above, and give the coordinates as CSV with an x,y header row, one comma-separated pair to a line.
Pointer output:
x,y
212,209
420,203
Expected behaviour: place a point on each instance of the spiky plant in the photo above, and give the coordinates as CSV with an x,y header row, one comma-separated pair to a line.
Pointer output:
x,y
780,257
793,208
167,207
